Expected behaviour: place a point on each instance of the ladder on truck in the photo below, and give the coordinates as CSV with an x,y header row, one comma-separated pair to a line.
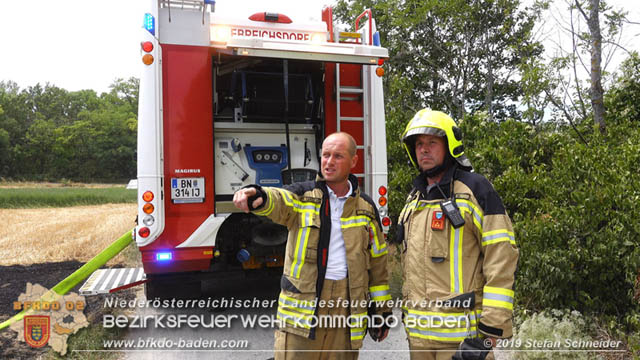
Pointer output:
x,y
352,101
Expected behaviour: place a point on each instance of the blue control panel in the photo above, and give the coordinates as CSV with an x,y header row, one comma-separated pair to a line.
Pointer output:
x,y
268,162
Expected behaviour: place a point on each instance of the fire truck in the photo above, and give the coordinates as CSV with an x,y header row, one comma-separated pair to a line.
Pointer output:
x,y
226,102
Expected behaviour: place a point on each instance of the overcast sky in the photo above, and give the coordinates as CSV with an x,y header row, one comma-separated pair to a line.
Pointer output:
x,y
87,44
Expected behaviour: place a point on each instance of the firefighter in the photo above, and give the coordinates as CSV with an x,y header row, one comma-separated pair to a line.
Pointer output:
x,y
459,254
335,256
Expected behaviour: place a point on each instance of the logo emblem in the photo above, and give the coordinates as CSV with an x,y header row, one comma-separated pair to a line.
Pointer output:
x,y
437,221
37,330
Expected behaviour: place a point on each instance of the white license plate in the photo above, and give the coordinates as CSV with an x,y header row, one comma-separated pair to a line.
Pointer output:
x,y
187,190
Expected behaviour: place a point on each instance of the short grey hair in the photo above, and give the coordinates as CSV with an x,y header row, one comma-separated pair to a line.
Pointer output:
x,y
351,141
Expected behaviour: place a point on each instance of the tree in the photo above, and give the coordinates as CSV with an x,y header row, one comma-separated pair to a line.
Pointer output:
x,y
5,148
37,153
623,98
457,56
124,93
14,121
601,40
595,40
460,56
49,133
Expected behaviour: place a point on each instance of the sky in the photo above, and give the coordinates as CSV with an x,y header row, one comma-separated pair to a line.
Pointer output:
x,y
554,40
87,44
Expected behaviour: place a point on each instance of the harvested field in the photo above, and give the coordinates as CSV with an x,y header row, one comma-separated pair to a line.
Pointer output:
x,y
31,236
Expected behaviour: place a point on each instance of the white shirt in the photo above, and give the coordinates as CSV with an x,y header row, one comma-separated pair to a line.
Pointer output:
x,y
337,258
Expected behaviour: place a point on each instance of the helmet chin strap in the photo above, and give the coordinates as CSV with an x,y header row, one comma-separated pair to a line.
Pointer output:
x,y
437,170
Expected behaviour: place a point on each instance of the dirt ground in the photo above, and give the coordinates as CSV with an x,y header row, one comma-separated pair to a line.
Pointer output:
x,y
44,246
13,280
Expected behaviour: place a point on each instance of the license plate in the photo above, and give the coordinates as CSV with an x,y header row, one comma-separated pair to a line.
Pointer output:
x,y
187,190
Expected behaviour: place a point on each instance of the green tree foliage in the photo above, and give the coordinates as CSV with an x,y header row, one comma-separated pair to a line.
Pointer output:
x,y
623,100
573,202
459,55
5,146
48,133
573,210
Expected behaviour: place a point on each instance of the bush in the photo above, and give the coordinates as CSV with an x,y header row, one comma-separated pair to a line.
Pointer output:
x,y
543,336
581,247
574,208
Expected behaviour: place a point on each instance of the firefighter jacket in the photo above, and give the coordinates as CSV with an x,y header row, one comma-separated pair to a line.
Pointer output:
x,y
308,219
472,266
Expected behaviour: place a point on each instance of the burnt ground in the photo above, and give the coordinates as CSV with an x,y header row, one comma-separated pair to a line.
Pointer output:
x,y
13,282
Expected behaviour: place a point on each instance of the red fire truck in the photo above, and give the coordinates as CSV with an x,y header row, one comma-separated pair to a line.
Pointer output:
x,y
228,102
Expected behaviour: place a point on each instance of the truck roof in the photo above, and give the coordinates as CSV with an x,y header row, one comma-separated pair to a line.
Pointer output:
x,y
261,35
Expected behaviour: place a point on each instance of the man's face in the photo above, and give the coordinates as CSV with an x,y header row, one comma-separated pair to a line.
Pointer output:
x,y
430,151
336,162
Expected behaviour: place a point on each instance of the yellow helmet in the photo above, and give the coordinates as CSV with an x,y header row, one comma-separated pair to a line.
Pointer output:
x,y
430,122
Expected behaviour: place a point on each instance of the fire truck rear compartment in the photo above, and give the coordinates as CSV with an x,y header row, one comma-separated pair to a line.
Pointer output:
x,y
254,99
248,242
268,116
256,88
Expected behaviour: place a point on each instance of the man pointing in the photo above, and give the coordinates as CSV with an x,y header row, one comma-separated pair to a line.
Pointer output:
x,y
335,254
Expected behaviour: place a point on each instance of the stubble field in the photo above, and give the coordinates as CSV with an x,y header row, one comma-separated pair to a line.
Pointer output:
x,y
31,236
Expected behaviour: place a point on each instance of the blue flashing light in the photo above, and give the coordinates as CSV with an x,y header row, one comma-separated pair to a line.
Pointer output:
x,y
210,2
243,255
376,38
163,256
149,24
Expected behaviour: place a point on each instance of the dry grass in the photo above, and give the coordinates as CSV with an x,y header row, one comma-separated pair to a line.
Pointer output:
x,y
29,236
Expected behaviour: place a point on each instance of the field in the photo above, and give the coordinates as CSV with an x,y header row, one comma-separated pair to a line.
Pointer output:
x,y
45,222
32,195
30,236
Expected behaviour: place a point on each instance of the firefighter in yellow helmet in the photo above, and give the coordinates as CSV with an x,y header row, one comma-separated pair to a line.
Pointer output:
x,y
459,252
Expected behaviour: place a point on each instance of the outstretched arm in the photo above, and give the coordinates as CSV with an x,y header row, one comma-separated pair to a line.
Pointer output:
x,y
242,197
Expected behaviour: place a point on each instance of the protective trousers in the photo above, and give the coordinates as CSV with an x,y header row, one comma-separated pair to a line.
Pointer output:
x,y
437,351
329,342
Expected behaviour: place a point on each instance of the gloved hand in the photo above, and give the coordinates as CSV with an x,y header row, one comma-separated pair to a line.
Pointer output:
x,y
379,333
473,349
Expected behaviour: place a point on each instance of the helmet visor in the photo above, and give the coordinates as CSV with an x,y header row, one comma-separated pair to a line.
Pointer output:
x,y
425,130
